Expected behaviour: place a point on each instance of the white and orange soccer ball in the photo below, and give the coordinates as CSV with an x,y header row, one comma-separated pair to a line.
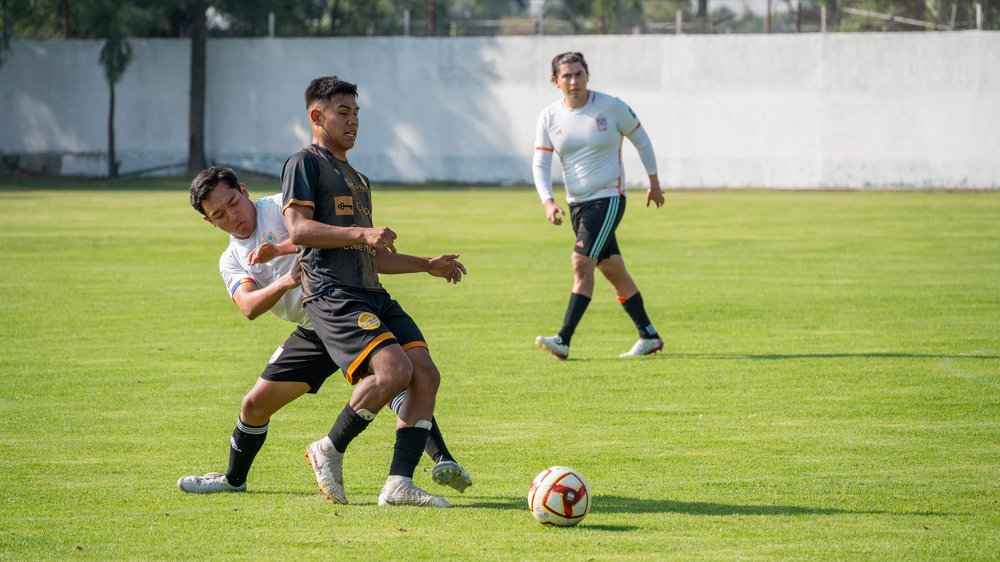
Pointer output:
x,y
559,496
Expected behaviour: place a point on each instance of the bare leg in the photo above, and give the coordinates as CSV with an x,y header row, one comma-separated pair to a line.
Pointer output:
x,y
391,373
422,392
267,397
614,270
583,274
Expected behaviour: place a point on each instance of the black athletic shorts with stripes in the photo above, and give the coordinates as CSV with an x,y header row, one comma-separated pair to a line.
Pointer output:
x,y
354,323
301,358
594,223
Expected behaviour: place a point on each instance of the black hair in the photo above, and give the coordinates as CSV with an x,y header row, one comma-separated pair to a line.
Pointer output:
x,y
566,58
323,88
209,179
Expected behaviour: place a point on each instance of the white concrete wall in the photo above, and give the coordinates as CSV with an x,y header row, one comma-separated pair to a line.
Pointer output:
x,y
787,111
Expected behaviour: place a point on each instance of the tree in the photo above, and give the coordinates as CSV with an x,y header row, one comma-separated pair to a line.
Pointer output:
x,y
111,21
196,108
39,19
177,18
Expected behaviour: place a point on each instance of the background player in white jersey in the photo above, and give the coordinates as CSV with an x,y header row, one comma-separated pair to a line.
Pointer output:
x,y
585,128
261,273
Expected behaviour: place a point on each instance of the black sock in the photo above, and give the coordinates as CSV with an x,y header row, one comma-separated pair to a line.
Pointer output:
x,y
574,312
243,447
436,449
637,311
410,442
349,425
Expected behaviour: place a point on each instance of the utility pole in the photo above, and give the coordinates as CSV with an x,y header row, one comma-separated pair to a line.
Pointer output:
x,y
430,18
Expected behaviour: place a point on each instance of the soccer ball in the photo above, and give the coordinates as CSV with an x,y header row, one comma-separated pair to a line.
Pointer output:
x,y
559,496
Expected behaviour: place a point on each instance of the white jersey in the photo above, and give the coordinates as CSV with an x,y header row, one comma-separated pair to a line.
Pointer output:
x,y
234,261
588,141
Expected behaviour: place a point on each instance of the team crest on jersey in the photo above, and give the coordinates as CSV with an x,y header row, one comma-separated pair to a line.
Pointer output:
x,y
602,123
368,321
270,237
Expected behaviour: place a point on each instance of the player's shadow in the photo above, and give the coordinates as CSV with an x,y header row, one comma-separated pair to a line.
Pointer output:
x,y
620,504
784,356
497,502
787,356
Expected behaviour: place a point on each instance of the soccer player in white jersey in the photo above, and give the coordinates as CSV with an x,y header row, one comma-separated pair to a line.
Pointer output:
x,y
261,273
586,129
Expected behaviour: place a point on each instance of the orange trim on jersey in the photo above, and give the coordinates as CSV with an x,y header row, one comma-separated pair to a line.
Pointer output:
x,y
349,373
621,168
414,344
298,202
545,149
634,129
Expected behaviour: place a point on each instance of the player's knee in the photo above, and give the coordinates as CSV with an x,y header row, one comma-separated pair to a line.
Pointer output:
x,y
583,268
423,366
427,377
252,411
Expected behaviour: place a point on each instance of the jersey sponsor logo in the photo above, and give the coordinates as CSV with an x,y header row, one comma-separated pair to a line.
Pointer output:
x,y
368,321
602,123
355,187
361,248
344,205
270,237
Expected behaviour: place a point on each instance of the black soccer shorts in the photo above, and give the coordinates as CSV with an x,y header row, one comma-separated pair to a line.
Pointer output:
x,y
594,223
354,323
301,358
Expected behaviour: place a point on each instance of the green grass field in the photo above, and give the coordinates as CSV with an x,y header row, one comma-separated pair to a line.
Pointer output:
x,y
830,387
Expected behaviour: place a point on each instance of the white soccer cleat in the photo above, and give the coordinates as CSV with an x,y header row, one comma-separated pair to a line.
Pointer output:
x,y
211,483
400,490
553,345
450,473
329,469
645,346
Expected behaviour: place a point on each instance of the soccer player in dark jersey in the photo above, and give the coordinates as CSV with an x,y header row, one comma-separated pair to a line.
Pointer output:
x,y
328,212
261,274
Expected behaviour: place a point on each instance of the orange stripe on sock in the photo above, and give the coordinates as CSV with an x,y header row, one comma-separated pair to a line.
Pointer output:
x,y
621,300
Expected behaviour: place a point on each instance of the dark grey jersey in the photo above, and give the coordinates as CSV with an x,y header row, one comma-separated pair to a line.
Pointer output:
x,y
339,196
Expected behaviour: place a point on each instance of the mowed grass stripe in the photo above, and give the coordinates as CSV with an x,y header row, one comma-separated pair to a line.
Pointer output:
x,y
830,386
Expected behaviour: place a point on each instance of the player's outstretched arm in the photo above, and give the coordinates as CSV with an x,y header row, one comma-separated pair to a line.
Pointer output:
x,y
448,268
445,266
